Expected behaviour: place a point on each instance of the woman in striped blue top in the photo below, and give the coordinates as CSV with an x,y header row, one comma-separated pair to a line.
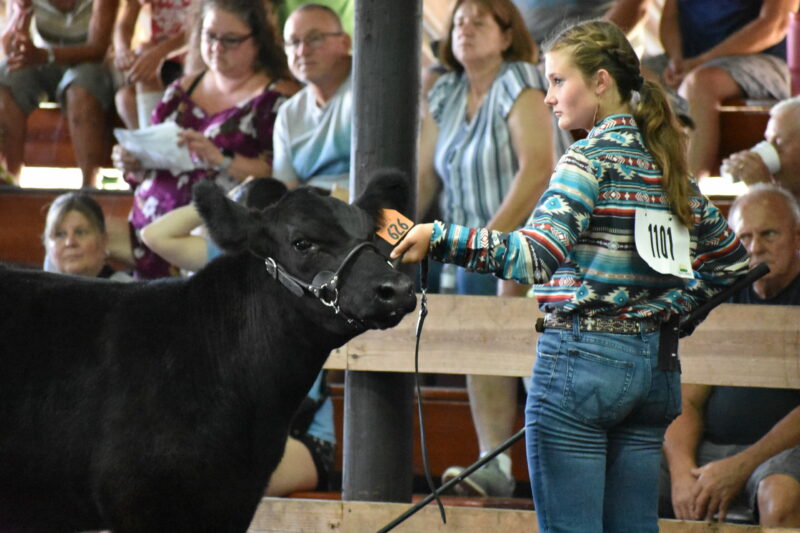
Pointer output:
x,y
486,136
621,243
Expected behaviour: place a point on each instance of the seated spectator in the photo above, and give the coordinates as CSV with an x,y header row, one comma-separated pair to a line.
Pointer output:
x,y
64,60
310,449
783,132
152,66
736,450
721,50
228,111
75,238
313,128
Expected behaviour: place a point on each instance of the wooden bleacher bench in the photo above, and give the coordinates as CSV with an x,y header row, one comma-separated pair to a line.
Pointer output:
x,y
48,142
741,124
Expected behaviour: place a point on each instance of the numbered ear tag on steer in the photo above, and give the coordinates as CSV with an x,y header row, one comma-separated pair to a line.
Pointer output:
x,y
663,242
393,226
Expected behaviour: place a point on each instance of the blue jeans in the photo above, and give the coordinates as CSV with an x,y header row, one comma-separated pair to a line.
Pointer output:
x,y
595,419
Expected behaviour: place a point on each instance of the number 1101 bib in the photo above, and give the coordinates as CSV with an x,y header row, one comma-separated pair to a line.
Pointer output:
x,y
663,242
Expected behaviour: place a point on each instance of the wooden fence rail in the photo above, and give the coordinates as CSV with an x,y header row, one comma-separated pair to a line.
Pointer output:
x,y
742,345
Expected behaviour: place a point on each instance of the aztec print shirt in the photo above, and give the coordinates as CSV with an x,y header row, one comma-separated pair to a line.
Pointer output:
x,y
579,243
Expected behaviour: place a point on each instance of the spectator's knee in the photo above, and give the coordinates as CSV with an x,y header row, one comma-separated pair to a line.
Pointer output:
x,y
779,501
7,102
126,93
79,99
705,83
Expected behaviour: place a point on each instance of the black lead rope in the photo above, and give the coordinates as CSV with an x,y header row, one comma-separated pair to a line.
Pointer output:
x,y
423,312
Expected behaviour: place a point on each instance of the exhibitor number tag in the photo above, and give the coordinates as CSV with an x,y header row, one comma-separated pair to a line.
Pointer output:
x,y
663,242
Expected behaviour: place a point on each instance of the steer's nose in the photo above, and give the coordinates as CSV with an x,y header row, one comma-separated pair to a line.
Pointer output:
x,y
397,292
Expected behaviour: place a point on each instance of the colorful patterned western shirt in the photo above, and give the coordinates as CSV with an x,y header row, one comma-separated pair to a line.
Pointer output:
x,y
579,245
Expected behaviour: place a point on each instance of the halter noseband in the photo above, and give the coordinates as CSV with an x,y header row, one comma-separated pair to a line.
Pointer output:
x,y
324,286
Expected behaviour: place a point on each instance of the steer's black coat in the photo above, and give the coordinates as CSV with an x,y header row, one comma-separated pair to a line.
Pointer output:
x,y
164,406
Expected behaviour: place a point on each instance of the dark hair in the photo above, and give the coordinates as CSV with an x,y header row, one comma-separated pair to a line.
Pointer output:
x,y
598,44
271,56
508,17
74,201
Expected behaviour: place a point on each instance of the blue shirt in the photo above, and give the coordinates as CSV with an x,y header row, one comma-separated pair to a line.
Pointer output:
x,y
706,23
579,243
311,144
475,158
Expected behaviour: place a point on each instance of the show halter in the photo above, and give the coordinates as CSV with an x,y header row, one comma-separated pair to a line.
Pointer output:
x,y
324,286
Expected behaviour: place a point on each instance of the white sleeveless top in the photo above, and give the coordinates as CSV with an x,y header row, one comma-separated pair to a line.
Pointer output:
x,y
55,27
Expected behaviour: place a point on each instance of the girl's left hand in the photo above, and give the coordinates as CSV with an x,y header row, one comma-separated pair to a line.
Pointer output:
x,y
414,246
201,147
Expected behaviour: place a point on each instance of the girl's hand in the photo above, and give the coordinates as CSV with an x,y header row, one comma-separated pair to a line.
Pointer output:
x,y
414,246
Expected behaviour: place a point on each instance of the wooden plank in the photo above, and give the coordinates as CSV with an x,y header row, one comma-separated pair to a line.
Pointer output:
x,y
278,515
48,142
744,345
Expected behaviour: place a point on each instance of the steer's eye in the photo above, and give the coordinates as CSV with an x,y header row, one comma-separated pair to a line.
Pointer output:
x,y
301,245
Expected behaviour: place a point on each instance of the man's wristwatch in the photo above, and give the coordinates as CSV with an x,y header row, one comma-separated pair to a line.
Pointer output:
x,y
227,160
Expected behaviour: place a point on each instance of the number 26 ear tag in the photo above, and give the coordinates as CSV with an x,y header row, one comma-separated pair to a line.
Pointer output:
x,y
393,226
663,242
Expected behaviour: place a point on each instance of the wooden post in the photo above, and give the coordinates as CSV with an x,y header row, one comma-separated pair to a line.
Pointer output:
x,y
378,406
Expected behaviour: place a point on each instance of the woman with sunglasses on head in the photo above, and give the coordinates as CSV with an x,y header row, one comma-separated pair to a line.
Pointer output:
x,y
621,245
226,105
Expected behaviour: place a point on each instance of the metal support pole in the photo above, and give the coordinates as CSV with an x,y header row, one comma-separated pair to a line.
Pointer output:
x,y
386,71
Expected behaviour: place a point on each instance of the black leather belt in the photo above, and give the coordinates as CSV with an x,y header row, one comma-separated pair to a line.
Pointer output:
x,y
597,324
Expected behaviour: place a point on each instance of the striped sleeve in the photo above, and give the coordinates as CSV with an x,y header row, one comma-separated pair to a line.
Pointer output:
x,y
516,78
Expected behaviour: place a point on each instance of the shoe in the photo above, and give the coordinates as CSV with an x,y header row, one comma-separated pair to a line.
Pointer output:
x,y
487,481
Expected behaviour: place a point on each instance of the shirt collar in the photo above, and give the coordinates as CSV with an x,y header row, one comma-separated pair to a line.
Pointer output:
x,y
613,122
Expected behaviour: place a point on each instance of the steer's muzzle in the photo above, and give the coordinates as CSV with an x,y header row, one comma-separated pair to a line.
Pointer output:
x,y
393,298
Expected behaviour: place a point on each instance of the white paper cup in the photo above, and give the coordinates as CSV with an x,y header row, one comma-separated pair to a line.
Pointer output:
x,y
769,155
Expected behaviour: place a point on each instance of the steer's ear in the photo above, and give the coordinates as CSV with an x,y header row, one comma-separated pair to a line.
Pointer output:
x,y
388,188
228,223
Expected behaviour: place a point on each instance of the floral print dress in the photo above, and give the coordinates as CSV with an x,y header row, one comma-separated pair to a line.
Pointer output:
x,y
245,129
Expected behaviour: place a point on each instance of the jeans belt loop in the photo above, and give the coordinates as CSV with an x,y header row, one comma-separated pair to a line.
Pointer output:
x,y
576,326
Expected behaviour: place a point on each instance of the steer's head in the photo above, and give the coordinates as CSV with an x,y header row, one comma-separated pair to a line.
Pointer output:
x,y
312,243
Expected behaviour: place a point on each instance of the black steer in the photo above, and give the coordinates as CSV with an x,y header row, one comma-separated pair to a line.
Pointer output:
x,y
164,406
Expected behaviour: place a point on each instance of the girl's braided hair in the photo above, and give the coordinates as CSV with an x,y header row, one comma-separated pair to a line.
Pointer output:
x,y
596,45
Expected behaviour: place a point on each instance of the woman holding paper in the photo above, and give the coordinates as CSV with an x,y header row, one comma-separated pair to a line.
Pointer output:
x,y
226,112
